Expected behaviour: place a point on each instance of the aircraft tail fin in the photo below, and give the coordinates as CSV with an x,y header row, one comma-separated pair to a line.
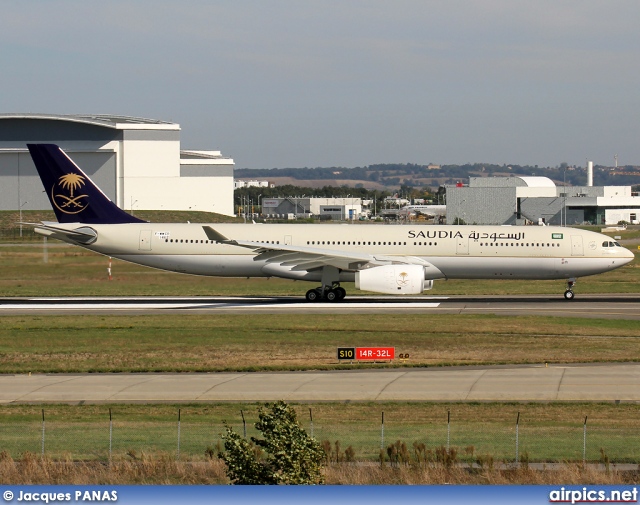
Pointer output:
x,y
73,195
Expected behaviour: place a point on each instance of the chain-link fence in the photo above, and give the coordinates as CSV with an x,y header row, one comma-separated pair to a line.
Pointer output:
x,y
17,234
361,438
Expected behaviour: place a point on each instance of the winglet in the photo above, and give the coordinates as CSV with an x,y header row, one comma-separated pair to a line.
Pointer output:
x,y
74,197
216,236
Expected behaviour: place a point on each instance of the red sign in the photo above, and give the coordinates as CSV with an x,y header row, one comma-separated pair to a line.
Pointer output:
x,y
375,353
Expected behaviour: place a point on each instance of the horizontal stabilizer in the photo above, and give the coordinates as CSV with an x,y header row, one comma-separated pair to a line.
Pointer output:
x,y
83,234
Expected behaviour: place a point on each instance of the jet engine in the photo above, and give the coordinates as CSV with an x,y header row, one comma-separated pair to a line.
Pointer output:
x,y
393,279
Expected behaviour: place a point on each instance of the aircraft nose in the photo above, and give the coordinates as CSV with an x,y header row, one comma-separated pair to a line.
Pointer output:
x,y
627,256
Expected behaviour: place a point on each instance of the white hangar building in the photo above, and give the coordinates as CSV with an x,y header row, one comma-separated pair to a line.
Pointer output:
x,y
137,162
517,200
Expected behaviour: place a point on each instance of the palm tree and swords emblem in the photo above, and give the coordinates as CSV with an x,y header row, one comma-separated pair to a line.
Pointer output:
x,y
69,203
403,279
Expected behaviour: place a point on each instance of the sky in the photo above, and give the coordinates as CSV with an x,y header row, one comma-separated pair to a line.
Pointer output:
x,y
290,83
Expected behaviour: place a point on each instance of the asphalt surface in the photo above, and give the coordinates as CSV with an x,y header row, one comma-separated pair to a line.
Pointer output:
x,y
618,382
614,306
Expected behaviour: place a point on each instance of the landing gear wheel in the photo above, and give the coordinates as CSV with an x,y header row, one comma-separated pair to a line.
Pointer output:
x,y
332,295
312,295
341,293
568,294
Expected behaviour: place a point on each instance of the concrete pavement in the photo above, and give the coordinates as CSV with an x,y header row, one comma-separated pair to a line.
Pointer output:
x,y
600,382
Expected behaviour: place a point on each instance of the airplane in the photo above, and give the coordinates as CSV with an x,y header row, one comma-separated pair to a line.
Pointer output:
x,y
388,259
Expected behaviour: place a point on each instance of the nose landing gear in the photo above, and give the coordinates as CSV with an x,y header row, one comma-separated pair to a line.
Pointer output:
x,y
569,294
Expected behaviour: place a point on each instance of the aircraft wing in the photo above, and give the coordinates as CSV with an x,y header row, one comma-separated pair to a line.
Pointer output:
x,y
301,258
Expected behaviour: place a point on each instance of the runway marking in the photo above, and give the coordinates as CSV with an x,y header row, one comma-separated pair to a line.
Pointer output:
x,y
102,306
209,305
374,305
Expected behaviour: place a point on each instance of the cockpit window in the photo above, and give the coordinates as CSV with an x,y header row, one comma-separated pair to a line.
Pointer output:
x,y
605,244
617,244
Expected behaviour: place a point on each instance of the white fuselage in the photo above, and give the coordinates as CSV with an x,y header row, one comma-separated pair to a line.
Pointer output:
x,y
455,252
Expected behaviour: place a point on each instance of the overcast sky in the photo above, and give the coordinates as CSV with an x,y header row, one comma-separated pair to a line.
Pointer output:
x,y
291,83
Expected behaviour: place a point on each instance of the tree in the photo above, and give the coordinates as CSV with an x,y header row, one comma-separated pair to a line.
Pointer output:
x,y
286,454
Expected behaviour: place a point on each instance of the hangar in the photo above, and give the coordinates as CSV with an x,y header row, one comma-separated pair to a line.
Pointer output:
x,y
339,209
522,200
137,162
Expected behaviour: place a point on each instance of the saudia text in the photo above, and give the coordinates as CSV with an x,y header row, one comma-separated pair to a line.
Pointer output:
x,y
473,235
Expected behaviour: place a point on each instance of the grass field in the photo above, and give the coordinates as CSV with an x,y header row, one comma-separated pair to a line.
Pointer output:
x,y
165,469
546,432
188,343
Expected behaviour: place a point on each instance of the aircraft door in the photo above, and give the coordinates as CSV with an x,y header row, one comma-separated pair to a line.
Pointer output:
x,y
145,240
287,240
576,246
462,245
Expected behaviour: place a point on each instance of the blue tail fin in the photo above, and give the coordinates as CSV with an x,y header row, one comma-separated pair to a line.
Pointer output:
x,y
74,197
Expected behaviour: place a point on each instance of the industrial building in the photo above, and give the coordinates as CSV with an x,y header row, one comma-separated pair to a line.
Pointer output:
x,y
137,162
524,200
337,209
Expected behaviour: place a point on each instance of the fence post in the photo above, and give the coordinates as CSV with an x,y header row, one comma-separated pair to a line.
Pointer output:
x,y
382,433
244,425
517,438
178,453
584,441
43,433
110,434
311,417
448,428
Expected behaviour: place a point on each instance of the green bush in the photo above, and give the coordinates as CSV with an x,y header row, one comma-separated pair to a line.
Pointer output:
x,y
286,454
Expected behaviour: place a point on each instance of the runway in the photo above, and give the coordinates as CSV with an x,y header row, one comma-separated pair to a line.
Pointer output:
x,y
613,306
610,382
594,382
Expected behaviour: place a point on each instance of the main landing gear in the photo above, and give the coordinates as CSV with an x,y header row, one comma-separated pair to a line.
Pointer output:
x,y
332,293
568,294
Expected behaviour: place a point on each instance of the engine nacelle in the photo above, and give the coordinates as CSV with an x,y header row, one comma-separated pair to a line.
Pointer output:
x,y
393,279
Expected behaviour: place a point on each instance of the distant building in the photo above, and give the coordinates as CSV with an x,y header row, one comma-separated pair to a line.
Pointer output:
x,y
519,200
137,162
338,209
238,183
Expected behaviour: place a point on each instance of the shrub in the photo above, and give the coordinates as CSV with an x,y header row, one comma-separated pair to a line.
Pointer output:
x,y
286,454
